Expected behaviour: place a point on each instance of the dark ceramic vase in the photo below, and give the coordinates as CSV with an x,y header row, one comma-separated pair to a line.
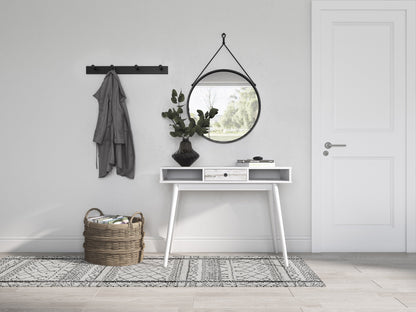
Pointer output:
x,y
185,155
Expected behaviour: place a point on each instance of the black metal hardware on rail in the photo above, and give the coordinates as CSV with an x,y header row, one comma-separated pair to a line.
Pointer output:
x,y
224,45
128,70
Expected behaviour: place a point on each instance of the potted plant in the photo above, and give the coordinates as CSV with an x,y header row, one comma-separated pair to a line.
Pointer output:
x,y
185,155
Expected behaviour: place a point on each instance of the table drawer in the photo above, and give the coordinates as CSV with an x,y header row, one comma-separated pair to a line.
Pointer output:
x,y
225,175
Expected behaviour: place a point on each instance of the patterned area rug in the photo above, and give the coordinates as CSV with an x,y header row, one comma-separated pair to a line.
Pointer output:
x,y
186,271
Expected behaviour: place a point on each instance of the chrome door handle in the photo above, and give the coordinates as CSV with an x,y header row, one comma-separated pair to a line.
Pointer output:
x,y
328,145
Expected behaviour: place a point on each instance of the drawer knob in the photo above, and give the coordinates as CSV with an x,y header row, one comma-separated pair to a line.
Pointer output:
x,y
225,174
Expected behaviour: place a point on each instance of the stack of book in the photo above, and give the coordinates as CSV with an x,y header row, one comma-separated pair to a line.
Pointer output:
x,y
109,219
251,163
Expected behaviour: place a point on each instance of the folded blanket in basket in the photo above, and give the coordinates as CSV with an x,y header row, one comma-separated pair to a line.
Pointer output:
x,y
109,219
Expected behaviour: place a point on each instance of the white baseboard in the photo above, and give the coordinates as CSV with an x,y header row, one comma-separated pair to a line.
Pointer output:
x,y
61,243
227,244
73,243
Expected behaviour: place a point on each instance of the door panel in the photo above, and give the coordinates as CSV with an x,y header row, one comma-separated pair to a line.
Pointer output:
x,y
359,99
361,204
362,51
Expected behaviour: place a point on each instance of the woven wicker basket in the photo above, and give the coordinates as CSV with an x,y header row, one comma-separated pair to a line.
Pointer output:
x,y
114,244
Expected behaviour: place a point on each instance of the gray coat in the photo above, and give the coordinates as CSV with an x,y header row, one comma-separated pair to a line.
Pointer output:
x,y
113,132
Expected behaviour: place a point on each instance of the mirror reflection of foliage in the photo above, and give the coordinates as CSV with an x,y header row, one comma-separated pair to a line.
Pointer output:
x,y
240,114
200,127
210,99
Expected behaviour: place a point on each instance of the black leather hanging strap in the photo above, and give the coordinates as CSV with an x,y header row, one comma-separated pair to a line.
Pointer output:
x,y
224,45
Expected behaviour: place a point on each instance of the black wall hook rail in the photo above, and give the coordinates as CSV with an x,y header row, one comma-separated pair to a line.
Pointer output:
x,y
128,70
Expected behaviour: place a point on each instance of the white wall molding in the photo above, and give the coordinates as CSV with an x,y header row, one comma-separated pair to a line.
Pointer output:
x,y
73,243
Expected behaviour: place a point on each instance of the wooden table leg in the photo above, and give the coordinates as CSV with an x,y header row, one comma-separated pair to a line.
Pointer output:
x,y
280,220
169,234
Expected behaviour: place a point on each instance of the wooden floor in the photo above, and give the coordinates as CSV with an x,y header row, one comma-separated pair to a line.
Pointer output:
x,y
355,282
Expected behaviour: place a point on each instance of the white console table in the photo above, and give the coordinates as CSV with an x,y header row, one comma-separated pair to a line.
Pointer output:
x,y
228,179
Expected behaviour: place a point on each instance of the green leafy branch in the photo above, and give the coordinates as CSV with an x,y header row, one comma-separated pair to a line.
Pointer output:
x,y
180,129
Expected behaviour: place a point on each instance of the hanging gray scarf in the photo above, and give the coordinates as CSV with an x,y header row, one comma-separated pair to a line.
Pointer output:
x,y
113,132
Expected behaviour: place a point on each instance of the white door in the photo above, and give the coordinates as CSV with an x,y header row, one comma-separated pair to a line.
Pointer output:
x,y
360,84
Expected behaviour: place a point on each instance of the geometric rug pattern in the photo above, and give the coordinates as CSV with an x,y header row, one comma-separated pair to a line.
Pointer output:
x,y
182,271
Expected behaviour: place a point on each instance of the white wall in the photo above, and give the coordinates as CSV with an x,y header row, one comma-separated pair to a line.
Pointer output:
x,y
48,115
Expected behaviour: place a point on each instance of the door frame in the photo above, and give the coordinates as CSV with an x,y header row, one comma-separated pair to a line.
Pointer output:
x,y
410,8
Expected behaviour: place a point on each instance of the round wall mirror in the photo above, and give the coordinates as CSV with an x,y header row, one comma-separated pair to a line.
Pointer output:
x,y
235,97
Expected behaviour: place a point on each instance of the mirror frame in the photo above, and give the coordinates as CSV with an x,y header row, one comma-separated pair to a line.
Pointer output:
x,y
228,71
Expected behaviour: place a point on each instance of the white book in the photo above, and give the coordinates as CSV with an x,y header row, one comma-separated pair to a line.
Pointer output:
x,y
262,165
256,163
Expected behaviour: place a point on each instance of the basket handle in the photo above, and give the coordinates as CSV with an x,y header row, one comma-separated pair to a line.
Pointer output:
x,y
92,209
137,213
